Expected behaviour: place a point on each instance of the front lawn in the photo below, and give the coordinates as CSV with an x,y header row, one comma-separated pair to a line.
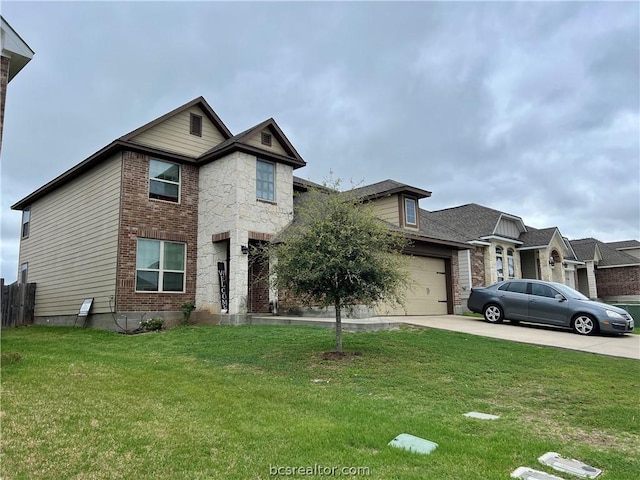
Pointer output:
x,y
248,402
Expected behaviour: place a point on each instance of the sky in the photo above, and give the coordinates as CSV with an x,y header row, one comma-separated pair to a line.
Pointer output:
x,y
531,108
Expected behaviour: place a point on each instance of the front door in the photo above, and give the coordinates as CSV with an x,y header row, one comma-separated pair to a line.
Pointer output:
x,y
258,301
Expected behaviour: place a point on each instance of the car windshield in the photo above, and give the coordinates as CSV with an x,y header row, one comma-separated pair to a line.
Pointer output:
x,y
570,292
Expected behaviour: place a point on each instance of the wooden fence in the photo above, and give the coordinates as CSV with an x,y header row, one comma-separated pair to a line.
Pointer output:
x,y
18,303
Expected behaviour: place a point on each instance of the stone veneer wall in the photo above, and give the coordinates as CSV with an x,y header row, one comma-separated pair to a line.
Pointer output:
x,y
227,195
142,217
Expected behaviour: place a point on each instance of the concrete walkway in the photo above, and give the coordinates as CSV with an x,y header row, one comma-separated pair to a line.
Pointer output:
x,y
627,346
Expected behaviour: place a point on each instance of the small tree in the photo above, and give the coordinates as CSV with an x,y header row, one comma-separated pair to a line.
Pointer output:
x,y
338,253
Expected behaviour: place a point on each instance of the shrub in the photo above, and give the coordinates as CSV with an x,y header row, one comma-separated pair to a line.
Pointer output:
x,y
187,308
152,324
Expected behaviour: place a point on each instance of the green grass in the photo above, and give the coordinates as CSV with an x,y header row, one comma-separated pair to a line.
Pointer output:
x,y
231,402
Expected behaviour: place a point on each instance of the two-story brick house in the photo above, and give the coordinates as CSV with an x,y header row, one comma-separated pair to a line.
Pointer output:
x,y
141,225
167,214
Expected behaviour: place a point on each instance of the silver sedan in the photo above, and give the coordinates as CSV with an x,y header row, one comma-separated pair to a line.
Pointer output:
x,y
548,303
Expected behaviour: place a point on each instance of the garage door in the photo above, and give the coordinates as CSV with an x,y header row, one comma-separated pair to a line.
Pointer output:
x,y
428,293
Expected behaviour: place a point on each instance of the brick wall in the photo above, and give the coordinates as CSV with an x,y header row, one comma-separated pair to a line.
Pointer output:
x,y
142,217
613,282
4,80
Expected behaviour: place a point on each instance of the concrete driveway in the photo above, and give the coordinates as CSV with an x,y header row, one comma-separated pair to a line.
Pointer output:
x,y
627,346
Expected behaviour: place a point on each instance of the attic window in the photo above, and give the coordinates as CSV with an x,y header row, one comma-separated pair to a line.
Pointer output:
x,y
266,139
195,125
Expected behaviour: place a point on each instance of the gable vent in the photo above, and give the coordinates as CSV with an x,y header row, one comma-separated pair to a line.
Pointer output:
x,y
195,125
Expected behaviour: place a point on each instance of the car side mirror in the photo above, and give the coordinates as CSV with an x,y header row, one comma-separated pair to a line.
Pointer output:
x,y
560,298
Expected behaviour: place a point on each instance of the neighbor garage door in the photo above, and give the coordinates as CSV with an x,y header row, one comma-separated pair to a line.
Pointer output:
x,y
428,294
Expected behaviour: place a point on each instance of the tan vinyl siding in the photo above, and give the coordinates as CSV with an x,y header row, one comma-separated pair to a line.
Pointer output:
x,y
173,135
73,240
255,140
386,208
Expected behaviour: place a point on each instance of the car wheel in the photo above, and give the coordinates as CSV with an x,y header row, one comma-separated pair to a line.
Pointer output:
x,y
493,313
584,325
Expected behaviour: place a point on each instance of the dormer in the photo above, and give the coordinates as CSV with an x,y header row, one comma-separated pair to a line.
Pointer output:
x,y
395,202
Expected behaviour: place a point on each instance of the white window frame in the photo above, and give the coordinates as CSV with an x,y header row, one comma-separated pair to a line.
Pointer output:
x,y
170,182
160,268
414,202
500,263
511,263
273,181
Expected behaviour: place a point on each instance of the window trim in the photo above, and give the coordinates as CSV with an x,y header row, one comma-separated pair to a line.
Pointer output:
x,y
195,120
273,181
406,211
179,182
160,268
25,213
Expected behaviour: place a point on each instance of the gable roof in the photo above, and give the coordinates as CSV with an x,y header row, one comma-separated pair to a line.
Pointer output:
x,y
125,143
196,102
239,142
624,244
475,221
386,188
15,48
591,249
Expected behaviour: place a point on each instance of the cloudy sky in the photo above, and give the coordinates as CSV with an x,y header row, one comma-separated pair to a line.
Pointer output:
x,y
529,108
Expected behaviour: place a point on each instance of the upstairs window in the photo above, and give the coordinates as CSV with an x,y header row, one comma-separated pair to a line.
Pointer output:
x,y
410,212
164,181
265,181
160,266
26,216
195,125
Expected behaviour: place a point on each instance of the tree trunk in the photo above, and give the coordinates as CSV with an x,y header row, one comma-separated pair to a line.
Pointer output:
x,y
338,328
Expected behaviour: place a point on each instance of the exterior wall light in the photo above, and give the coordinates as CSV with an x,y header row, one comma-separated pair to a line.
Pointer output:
x,y
245,249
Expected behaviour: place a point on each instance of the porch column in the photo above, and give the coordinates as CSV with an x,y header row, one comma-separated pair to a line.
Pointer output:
x,y
591,280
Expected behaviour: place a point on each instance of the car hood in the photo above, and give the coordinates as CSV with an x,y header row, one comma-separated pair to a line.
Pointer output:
x,y
604,306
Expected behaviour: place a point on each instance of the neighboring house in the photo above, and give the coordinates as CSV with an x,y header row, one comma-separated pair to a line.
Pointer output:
x,y
506,248
630,247
15,55
434,249
609,272
168,214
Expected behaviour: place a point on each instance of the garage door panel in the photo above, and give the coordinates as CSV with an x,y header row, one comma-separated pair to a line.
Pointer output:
x,y
428,292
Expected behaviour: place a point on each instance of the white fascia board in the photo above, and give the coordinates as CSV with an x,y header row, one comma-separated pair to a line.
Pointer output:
x,y
602,267
13,44
480,243
502,239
